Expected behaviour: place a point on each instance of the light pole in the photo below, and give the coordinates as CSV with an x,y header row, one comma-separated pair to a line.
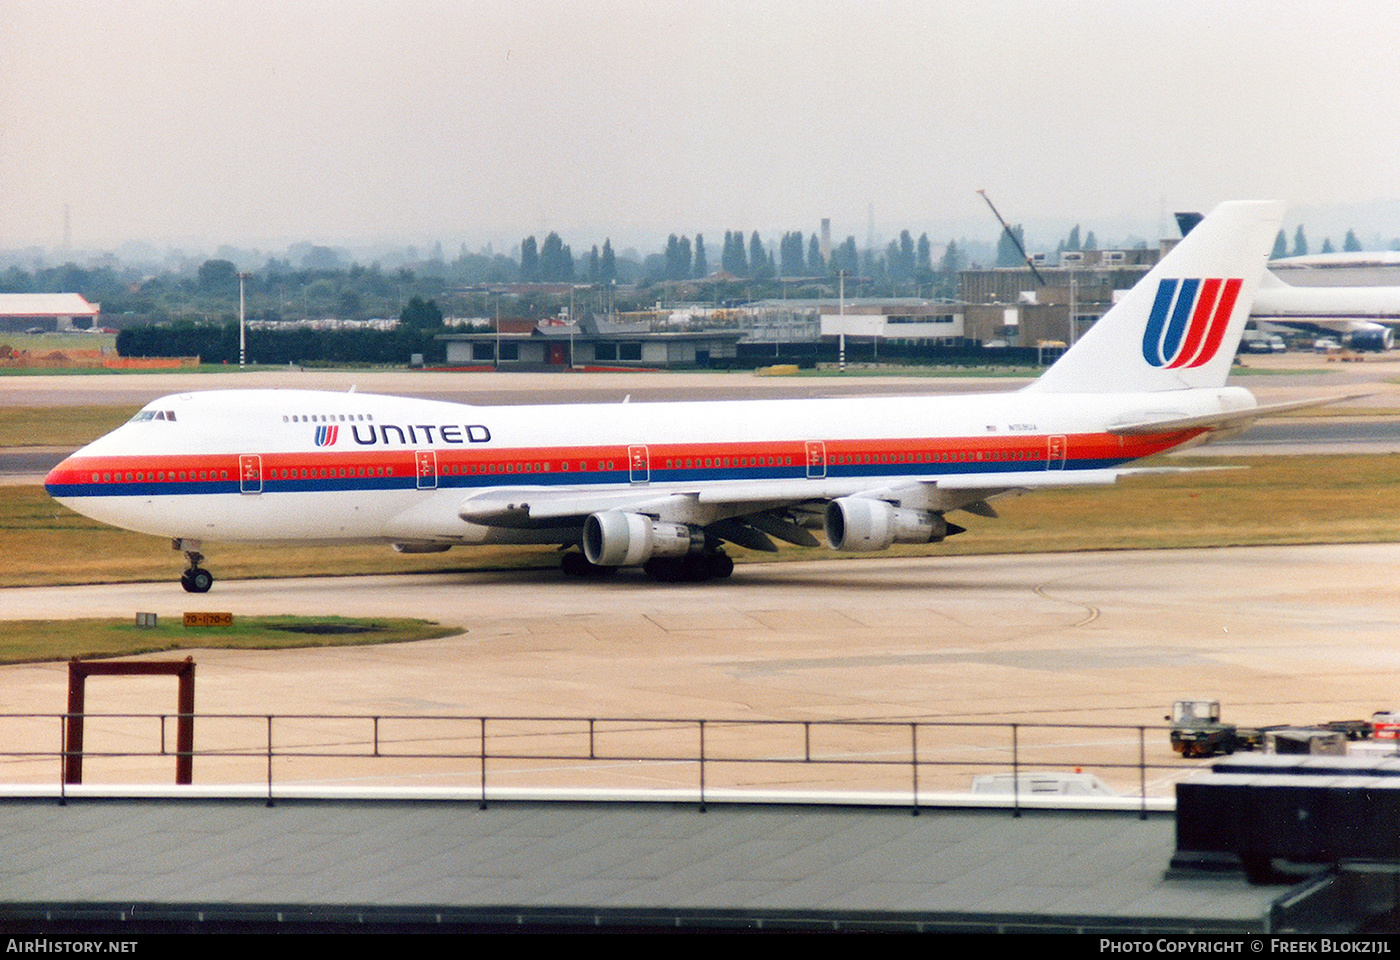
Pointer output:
x,y
841,351
242,324
1073,306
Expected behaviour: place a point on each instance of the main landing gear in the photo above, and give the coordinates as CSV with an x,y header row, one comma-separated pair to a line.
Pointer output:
x,y
695,567
575,564
196,579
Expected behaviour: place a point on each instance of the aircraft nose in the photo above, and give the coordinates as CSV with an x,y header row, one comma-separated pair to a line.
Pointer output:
x,y
61,477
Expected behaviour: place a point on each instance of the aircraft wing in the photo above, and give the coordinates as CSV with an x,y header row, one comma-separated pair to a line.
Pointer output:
x,y
523,506
748,512
1222,421
540,506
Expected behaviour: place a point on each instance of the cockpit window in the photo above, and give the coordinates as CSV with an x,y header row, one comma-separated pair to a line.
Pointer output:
x,y
153,415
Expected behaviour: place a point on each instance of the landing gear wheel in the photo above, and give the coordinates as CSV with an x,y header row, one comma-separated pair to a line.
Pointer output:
x,y
577,565
695,568
666,569
196,579
721,565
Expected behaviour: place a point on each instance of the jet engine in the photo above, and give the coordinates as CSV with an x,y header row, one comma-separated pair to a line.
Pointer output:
x,y
1373,336
614,538
862,525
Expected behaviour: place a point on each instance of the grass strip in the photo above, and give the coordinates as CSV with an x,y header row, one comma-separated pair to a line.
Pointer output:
x,y
59,426
30,641
1274,500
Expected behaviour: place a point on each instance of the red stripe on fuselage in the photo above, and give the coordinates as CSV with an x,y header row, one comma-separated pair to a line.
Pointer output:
x,y
744,459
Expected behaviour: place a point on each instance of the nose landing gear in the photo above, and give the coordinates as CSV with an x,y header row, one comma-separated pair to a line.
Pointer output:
x,y
196,579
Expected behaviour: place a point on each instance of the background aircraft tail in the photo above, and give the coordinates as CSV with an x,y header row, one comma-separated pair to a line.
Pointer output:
x,y
1179,327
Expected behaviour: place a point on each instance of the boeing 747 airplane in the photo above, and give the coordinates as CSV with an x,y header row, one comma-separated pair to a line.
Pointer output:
x,y
664,486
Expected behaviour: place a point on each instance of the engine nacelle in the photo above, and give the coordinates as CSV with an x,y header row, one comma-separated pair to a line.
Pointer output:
x,y
863,526
1373,337
614,538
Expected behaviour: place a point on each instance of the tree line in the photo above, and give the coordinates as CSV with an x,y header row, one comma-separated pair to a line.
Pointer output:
x,y
740,266
419,324
1301,249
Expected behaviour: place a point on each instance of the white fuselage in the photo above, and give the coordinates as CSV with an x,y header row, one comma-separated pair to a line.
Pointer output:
x,y
296,466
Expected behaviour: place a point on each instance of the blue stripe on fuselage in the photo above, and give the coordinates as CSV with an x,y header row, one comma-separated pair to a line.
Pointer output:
x,y
871,471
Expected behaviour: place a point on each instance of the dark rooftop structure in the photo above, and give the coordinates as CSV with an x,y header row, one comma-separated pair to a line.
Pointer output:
x,y
620,345
444,861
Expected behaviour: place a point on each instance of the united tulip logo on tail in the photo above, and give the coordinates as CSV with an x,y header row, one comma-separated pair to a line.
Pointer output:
x,y
325,436
1188,321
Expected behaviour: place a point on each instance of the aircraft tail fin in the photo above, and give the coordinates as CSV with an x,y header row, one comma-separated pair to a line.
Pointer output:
x,y
1179,327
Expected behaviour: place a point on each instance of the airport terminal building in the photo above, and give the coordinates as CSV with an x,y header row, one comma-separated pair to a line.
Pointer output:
x,y
525,345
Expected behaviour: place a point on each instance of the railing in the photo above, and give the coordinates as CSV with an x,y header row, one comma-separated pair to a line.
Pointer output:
x,y
481,753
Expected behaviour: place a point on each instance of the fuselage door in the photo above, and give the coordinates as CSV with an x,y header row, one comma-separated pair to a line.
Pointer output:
x,y
1055,454
816,459
425,463
638,464
249,473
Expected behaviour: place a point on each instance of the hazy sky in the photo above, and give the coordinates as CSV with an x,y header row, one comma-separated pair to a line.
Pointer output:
x,y
257,122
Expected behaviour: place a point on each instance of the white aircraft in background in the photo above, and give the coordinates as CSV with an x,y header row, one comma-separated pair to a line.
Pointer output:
x,y
665,485
1361,317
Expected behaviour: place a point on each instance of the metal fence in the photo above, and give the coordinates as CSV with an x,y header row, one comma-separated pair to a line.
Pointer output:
x,y
482,753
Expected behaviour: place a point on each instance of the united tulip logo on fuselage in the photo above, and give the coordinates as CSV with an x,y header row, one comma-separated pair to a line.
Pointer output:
x,y
325,436
1188,321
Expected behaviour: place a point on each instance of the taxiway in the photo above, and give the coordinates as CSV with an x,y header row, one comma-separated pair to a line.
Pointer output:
x,y
1277,633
